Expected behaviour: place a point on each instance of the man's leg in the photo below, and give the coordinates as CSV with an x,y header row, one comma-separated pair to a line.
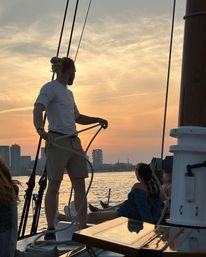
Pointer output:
x,y
80,200
51,202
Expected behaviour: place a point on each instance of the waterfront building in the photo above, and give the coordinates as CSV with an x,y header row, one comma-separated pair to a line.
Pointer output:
x,y
25,165
15,151
5,154
97,156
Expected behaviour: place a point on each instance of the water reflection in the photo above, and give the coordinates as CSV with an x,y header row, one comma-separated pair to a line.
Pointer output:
x,y
135,226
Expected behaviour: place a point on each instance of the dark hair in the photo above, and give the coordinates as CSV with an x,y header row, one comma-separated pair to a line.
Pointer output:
x,y
8,187
61,65
145,172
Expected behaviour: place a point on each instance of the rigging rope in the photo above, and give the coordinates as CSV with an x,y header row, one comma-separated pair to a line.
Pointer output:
x,y
87,148
167,201
168,79
80,40
72,30
42,187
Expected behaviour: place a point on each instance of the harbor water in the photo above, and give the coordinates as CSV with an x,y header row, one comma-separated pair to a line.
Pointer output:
x,y
119,182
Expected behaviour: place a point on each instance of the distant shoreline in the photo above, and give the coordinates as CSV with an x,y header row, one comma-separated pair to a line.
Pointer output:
x,y
95,171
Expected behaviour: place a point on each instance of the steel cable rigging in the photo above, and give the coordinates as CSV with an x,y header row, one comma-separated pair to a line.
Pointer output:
x,y
168,79
81,36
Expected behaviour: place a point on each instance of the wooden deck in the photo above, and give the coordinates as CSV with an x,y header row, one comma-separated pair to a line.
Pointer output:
x,y
118,235
133,238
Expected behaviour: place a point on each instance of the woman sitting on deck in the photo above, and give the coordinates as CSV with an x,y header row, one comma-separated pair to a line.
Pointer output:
x,y
143,201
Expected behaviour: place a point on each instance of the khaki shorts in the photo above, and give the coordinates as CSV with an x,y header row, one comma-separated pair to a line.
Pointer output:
x,y
59,159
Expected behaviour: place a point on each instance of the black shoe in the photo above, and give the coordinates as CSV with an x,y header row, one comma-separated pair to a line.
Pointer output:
x,y
93,208
50,236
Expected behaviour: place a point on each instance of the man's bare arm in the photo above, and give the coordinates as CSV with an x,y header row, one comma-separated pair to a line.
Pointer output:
x,y
38,116
86,120
38,121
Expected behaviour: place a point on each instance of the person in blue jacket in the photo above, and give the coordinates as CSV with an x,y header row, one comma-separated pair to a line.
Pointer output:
x,y
143,202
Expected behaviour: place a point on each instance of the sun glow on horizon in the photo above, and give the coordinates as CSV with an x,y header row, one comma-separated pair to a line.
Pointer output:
x,y
121,76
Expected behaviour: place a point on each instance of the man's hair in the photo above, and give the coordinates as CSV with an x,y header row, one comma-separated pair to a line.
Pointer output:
x,y
61,65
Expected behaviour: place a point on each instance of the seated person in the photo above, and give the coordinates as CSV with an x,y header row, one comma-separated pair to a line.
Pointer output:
x,y
143,201
8,212
166,187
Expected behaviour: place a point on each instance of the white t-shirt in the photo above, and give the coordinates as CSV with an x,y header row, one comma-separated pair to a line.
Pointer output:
x,y
61,109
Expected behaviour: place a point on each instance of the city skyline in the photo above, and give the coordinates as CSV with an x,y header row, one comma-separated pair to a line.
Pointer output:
x,y
121,72
23,164
20,164
43,156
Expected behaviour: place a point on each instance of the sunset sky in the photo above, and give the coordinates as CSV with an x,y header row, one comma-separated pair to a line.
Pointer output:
x,y
121,70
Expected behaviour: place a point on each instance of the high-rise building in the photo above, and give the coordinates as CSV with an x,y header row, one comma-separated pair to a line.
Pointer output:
x,y
5,154
97,156
25,165
15,159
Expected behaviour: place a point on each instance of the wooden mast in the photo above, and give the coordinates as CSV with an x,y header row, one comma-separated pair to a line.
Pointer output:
x,y
192,110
